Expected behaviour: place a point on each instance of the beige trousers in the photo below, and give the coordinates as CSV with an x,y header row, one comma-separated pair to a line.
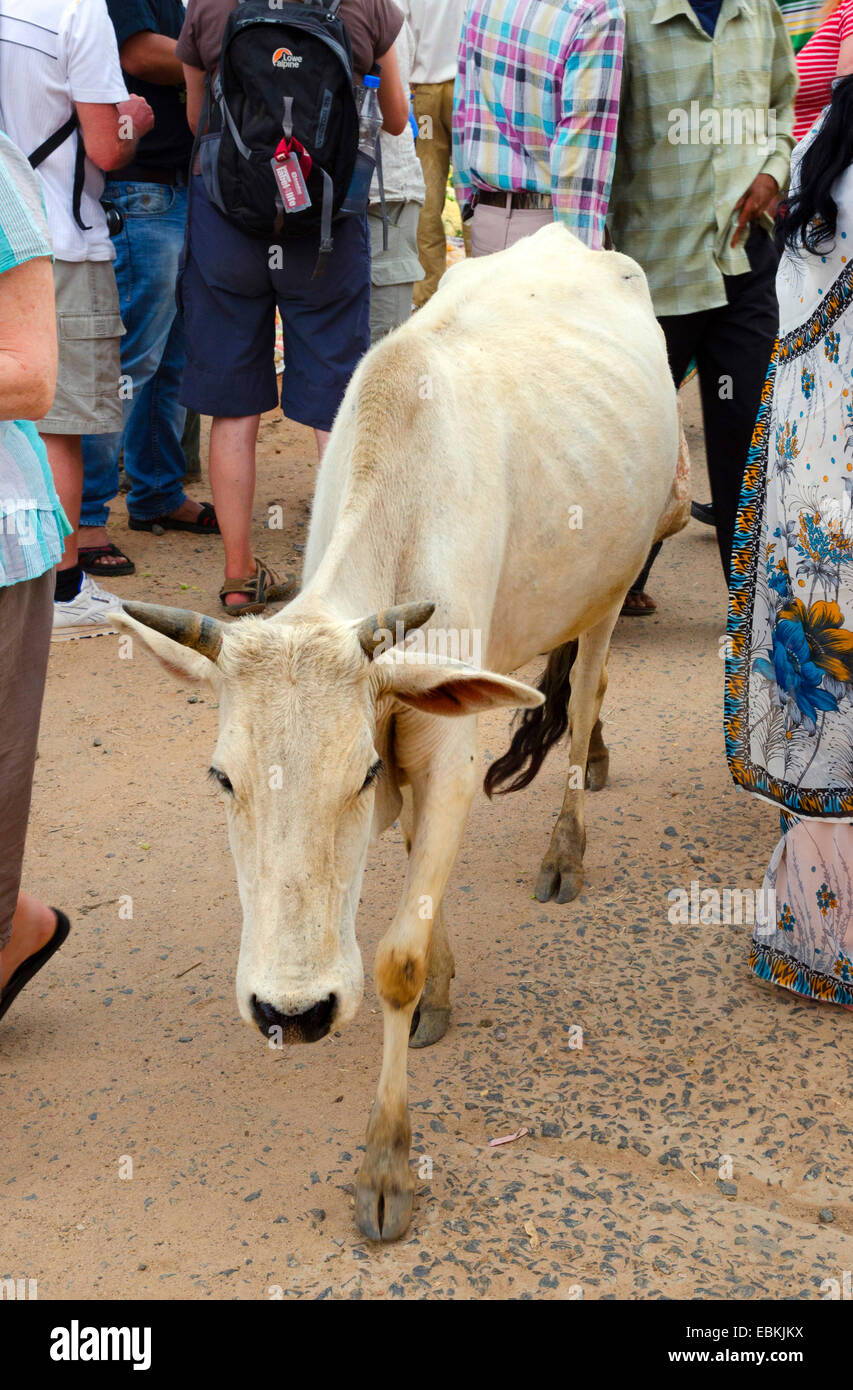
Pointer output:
x,y
434,115
496,228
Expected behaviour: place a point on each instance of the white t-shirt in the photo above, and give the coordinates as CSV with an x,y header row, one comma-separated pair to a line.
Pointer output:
x,y
54,53
437,27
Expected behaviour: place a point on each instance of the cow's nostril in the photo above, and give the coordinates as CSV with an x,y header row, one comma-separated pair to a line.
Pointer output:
x,y
309,1026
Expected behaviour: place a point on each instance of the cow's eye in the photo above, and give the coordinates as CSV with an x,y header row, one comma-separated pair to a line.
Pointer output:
x,y
216,775
372,774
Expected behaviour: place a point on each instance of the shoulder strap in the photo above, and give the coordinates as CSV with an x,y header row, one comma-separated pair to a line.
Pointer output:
x,y
47,147
53,141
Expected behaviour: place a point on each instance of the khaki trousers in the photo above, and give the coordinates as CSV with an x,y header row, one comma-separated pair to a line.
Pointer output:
x,y
496,228
434,115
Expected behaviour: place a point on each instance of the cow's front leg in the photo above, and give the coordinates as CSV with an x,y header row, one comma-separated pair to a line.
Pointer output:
x,y
561,874
443,785
431,1018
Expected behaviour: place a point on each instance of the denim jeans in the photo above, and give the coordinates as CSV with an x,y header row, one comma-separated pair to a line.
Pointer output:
x,y
152,360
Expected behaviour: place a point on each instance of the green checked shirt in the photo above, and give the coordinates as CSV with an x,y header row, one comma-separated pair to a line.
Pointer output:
x,y
700,117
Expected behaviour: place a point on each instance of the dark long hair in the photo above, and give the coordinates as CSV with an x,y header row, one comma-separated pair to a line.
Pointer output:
x,y
812,213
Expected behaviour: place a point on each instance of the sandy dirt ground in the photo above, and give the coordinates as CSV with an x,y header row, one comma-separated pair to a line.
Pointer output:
x,y
697,1145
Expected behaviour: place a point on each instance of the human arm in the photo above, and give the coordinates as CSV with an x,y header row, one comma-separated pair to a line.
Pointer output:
x,y
393,100
584,145
195,79
462,185
111,133
784,81
28,350
845,53
152,57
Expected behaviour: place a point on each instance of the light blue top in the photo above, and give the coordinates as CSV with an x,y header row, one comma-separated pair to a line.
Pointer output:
x,y
32,522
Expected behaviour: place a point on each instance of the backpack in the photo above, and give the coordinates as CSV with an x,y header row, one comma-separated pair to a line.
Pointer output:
x,y
285,82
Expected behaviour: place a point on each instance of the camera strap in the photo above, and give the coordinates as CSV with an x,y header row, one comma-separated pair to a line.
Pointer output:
x,y
47,147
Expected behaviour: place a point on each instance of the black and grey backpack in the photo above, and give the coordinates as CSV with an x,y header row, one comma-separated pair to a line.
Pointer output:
x,y
285,77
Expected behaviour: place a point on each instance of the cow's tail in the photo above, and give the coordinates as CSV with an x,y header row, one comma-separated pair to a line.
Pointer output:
x,y
538,729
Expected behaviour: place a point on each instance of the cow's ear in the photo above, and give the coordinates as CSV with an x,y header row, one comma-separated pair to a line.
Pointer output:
x,y
180,661
449,687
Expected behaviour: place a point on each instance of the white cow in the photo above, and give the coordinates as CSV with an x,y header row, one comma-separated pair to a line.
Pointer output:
x,y
501,463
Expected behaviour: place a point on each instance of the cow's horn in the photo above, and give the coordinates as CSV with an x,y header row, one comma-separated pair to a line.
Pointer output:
x,y
194,630
398,621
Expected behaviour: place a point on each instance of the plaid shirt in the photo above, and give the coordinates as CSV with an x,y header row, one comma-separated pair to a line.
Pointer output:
x,y
536,103
686,152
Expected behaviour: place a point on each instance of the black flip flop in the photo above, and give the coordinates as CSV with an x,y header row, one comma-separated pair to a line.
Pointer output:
x,y
33,964
205,523
91,559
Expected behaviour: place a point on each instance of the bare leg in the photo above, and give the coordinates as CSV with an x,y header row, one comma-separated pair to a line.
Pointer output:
x,y
442,792
561,875
232,479
322,438
65,457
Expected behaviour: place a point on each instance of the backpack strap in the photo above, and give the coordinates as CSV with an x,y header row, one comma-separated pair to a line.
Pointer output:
x,y
219,97
47,147
382,202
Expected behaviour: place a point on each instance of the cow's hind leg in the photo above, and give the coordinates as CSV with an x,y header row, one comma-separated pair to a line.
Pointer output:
x,y
442,789
561,874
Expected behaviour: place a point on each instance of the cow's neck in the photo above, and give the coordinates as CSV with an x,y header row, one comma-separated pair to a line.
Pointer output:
x,y
358,573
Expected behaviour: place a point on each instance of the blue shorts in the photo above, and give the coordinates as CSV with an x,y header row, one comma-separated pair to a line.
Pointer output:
x,y
229,295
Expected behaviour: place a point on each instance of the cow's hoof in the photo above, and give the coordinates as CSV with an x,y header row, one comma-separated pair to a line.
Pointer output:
x,y
597,773
562,884
428,1025
382,1215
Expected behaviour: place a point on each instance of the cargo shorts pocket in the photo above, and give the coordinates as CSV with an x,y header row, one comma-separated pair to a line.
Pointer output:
x,y
90,356
399,265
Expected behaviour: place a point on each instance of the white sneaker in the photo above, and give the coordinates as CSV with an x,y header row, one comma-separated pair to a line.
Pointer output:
x,y
86,615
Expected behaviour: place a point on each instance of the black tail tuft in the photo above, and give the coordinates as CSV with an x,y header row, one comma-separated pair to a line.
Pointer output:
x,y
539,729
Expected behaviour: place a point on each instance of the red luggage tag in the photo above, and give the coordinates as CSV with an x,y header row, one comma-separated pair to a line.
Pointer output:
x,y
291,165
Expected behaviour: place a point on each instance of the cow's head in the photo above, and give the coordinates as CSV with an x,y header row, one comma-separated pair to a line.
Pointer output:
x,y
302,700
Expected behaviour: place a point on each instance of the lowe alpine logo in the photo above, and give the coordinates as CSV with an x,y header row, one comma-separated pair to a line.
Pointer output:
x,y
284,58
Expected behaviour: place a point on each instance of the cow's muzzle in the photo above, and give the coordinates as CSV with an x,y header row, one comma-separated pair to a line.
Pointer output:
x,y
307,1027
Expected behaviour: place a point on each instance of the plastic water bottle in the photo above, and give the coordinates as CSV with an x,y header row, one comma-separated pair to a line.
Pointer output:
x,y
369,126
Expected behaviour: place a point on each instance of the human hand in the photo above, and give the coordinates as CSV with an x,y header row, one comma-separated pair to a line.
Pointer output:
x,y
138,114
757,198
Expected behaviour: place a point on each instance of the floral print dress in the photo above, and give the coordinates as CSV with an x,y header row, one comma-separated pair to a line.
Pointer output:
x,y
789,672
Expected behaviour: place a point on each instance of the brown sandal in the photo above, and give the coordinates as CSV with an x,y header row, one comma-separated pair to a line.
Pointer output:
x,y
263,587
